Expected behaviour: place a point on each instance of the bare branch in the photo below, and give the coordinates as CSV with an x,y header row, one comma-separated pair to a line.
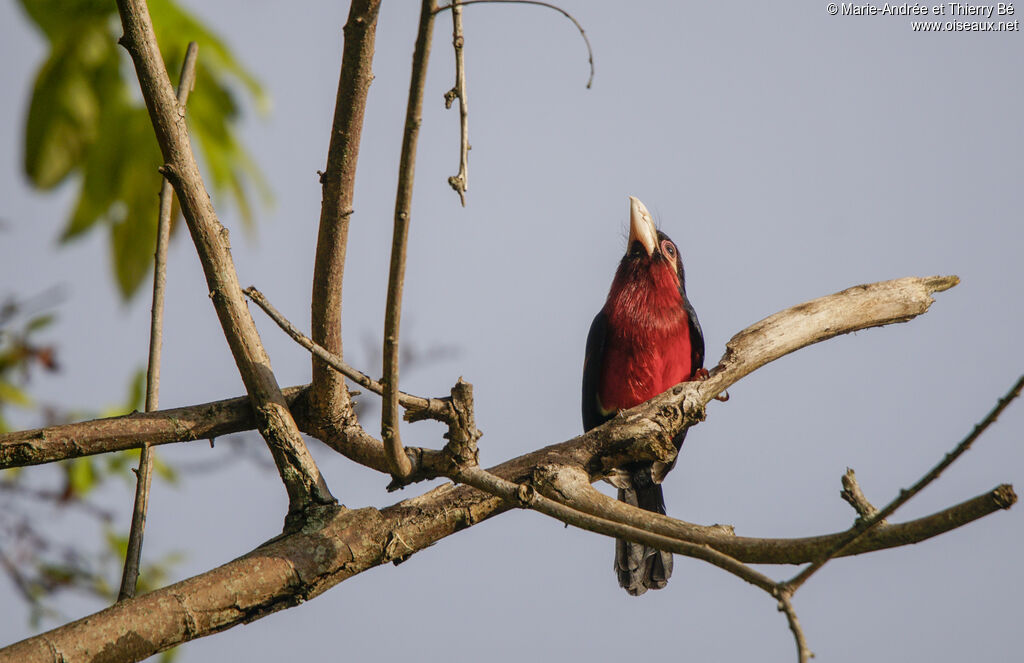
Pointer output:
x,y
131,431
460,182
337,544
590,51
298,471
571,486
853,309
329,396
144,474
907,494
397,459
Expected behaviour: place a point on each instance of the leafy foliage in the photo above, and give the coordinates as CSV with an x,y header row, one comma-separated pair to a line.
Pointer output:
x,y
85,121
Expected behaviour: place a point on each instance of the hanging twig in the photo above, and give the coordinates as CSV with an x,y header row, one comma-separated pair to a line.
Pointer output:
x,y
460,182
144,474
399,463
590,51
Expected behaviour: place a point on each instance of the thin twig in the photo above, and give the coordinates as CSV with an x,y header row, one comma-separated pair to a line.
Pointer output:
x,y
436,408
399,463
590,51
803,653
906,494
460,182
144,474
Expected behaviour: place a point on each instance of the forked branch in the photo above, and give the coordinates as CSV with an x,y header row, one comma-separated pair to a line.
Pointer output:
x,y
298,472
283,573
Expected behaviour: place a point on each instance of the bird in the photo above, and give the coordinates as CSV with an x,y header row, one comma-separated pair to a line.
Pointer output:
x,y
645,340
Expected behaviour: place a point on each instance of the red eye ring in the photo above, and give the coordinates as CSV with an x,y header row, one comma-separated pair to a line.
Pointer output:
x,y
668,249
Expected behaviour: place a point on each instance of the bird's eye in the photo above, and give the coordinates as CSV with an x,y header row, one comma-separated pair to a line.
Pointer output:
x,y
668,249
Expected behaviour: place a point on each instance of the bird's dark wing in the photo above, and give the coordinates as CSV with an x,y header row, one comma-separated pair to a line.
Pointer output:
x,y
696,335
592,361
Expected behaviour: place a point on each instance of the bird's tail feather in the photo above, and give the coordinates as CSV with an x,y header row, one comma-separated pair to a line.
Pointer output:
x,y
641,567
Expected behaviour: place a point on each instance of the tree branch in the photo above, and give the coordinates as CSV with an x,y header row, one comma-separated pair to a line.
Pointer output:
x,y
298,471
634,435
336,544
144,474
398,462
460,182
906,494
643,433
329,397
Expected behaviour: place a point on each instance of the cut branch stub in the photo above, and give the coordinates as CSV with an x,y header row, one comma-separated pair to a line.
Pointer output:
x,y
462,431
853,495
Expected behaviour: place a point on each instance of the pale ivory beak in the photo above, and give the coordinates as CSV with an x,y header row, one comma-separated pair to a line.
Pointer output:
x,y
641,226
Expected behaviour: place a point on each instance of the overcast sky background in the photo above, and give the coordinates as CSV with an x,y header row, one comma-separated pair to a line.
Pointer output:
x,y
790,154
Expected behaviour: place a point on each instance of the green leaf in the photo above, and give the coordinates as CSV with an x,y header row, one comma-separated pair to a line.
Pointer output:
x,y
56,17
39,322
135,399
85,119
81,476
117,544
163,470
67,100
13,395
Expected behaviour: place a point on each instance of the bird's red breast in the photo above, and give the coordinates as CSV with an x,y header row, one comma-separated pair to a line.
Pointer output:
x,y
648,345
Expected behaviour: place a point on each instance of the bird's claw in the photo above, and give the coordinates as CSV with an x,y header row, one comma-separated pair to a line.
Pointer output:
x,y
702,374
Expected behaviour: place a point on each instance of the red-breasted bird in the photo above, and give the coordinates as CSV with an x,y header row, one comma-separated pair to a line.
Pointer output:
x,y
644,341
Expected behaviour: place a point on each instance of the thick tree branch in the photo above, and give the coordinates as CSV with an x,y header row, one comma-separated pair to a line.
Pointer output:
x,y
87,438
398,462
299,473
334,546
329,397
144,475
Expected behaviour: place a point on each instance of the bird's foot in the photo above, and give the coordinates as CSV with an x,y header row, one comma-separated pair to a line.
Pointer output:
x,y
702,374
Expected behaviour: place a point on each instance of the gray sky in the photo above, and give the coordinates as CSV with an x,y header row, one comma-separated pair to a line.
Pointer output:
x,y
790,154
